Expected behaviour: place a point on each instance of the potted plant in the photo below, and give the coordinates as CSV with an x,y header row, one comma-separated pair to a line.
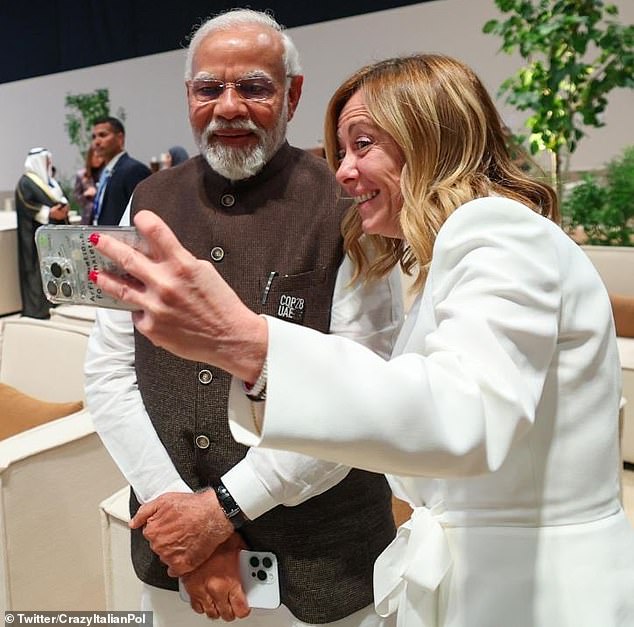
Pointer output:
x,y
576,52
600,209
84,110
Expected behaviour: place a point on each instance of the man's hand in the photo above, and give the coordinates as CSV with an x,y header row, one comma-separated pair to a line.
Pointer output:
x,y
181,303
215,588
58,212
183,529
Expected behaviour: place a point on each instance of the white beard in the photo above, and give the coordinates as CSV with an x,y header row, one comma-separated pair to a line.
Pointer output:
x,y
241,163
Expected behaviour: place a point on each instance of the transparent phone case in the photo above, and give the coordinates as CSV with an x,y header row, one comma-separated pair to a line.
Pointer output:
x,y
67,256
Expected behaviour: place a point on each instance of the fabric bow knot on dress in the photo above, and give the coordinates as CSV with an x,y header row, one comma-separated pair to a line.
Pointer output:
x,y
418,558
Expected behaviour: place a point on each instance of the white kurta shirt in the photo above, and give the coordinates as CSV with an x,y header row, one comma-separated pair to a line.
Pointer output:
x,y
497,416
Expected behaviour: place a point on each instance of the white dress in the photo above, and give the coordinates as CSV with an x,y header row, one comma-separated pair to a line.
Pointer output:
x,y
497,420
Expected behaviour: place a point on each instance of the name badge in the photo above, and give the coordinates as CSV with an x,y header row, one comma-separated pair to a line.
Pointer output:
x,y
291,308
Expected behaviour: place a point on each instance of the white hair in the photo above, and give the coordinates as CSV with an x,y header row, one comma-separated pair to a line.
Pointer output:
x,y
244,17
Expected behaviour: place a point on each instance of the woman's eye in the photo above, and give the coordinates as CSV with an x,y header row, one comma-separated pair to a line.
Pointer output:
x,y
359,145
362,142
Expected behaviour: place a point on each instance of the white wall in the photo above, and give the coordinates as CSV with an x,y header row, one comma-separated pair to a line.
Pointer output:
x,y
151,90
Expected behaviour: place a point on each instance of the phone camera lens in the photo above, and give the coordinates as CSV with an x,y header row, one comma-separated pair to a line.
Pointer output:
x,y
56,270
262,575
67,290
51,286
267,562
254,561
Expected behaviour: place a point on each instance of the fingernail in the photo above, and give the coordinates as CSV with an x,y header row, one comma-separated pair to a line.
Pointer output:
x,y
93,275
94,238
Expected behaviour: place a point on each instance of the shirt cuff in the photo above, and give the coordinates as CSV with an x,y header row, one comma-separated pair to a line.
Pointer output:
x,y
178,485
247,490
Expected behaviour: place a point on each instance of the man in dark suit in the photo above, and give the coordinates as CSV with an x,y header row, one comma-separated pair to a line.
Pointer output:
x,y
121,174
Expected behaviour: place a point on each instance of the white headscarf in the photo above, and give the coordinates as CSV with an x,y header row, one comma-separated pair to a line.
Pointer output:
x,y
39,162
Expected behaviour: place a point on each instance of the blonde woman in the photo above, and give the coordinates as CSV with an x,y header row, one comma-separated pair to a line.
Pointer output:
x,y
496,416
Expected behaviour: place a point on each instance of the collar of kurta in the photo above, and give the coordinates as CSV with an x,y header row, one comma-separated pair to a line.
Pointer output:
x,y
278,162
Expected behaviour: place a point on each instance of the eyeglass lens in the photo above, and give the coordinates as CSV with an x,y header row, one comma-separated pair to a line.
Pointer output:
x,y
247,88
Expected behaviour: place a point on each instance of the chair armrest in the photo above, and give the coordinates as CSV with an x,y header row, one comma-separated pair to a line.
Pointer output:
x,y
44,437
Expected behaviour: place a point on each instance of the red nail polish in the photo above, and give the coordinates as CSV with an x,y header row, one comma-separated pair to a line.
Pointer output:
x,y
93,274
94,238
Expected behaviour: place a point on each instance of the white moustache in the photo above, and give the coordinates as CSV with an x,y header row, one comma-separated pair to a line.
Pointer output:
x,y
241,125
221,125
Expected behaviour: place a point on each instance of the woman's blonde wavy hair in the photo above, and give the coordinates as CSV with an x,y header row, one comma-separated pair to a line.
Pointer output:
x,y
454,146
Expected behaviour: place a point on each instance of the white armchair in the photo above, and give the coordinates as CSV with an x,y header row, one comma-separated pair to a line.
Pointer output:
x,y
74,315
44,359
52,478
123,587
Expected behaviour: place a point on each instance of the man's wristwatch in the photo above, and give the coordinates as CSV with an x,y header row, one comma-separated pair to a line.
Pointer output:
x,y
230,508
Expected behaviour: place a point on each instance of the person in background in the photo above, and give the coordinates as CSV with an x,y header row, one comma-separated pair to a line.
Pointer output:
x,y
120,174
174,156
39,200
268,215
497,414
86,184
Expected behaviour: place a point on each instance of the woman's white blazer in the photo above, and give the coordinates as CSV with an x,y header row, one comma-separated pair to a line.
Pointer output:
x,y
496,418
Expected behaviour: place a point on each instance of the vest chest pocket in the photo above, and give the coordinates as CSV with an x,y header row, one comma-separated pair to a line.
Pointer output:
x,y
304,298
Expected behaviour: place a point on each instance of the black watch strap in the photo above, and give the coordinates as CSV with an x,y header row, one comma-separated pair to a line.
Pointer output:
x,y
230,508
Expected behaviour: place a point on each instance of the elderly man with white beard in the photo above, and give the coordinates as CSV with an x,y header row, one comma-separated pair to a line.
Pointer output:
x,y
267,216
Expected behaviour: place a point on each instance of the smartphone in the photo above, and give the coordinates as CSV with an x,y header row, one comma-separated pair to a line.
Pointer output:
x,y
66,257
260,579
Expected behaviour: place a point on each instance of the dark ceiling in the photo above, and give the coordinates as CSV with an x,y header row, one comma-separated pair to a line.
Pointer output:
x,y
48,36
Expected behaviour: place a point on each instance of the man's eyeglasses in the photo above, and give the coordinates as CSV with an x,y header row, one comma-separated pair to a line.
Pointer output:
x,y
257,88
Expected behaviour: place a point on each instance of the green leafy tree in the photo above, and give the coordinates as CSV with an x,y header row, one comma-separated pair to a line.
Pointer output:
x,y
84,110
576,52
605,208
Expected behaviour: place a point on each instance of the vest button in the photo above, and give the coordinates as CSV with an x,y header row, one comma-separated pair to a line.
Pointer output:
x,y
202,441
217,254
205,377
227,200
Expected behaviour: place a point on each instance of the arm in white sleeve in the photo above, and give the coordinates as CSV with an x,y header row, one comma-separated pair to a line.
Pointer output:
x,y
42,215
371,314
476,354
118,412
117,408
